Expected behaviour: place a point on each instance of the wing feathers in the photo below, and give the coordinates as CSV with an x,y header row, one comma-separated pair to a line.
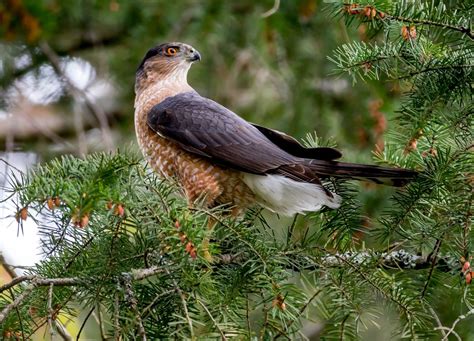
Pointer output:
x,y
204,127
292,146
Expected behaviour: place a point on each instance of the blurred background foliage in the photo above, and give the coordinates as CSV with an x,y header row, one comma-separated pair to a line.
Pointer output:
x,y
272,70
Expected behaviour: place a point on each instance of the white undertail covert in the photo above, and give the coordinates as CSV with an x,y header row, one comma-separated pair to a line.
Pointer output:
x,y
288,197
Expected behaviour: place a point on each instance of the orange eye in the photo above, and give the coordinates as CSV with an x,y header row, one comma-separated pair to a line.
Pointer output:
x,y
171,51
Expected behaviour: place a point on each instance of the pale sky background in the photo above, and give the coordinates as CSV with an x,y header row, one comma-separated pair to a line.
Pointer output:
x,y
21,248
18,247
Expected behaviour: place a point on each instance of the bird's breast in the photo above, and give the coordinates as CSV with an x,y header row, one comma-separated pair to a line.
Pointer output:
x,y
198,176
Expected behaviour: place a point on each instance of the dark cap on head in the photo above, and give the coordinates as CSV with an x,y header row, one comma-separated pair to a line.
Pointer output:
x,y
173,50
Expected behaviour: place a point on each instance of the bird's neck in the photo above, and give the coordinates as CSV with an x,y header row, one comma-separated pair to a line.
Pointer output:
x,y
151,89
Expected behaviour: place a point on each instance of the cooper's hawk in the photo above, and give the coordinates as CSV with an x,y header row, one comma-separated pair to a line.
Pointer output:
x,y
218,156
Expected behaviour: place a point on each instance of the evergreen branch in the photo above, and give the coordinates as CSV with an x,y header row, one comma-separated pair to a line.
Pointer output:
x,y
376,286
140,274
136,275
300,312
184,304
155,300
223,338
436,68
462,29
218,219
100,321
56,311
376,14
399,259
436,318
343,323
432,257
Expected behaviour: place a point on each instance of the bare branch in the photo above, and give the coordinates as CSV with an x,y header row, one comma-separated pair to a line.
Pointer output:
x,y
3,263
50,310
451,330
398,259
18,300
132,300
62,331
135,275
78,94
116,317
271,11
15,281
140,274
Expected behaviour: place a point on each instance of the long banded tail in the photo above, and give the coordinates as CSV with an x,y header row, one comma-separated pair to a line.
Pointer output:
x,y
381,175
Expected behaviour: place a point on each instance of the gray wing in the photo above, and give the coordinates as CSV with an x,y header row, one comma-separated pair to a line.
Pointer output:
x,y
204,127
293,147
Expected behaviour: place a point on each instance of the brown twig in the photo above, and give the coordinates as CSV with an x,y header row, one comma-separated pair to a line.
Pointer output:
x,y
3,263
50,310
17,301
15,281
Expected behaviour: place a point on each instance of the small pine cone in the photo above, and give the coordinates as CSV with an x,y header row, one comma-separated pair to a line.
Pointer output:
x,y
50,203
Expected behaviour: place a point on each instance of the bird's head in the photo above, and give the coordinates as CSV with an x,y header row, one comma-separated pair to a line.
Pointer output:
x,y
169,60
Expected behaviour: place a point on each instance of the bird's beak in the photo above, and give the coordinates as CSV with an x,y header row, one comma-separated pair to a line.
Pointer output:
x,y
193,56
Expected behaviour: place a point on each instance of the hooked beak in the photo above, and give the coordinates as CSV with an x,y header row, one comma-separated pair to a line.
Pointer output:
x,y
193,56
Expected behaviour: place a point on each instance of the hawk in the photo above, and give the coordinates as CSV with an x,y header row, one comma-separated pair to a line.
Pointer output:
x,y
221,158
